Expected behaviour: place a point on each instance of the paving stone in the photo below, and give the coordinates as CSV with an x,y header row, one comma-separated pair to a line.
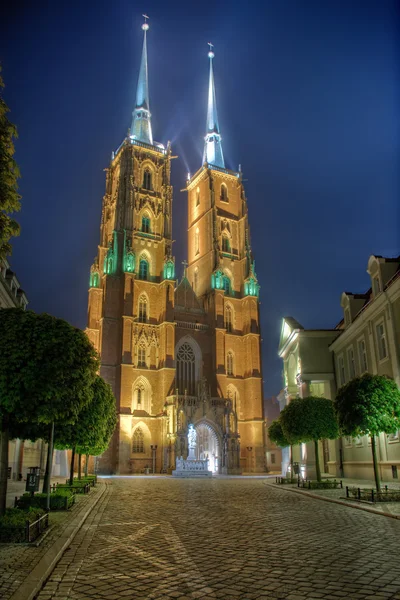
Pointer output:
x,y
225,539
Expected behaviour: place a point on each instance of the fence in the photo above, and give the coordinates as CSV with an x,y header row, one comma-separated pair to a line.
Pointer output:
x,y
320,485
371,495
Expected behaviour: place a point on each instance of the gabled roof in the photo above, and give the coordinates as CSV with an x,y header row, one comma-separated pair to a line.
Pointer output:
x,y
289,325
185,297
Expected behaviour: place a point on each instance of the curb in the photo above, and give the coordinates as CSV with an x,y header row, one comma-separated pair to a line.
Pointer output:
x,y
34,582
335,501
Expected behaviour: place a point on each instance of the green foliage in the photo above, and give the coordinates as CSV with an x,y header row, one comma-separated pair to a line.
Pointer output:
x,y
9,174
309,419
100,419
59,500
13,522
15,516
46,368
276,435
76,488
368,405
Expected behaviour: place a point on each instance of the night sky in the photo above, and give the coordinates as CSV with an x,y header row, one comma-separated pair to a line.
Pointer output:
x,y
308,102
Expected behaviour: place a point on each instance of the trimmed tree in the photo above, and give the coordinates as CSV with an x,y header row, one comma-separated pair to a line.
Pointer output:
x,y
46,372
310,419
276,435
9,174
102,421
369,405
93,427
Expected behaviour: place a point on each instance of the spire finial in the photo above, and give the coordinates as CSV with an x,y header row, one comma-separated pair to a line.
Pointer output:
x,y
141,122
212,148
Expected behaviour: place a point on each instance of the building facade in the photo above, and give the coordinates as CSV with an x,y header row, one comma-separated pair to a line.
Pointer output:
x,y
177,354
367,340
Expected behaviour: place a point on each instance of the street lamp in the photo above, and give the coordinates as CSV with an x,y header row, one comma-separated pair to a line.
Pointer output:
x,y
154,450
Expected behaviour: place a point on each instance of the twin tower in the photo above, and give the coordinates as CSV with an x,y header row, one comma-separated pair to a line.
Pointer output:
x,y
177,354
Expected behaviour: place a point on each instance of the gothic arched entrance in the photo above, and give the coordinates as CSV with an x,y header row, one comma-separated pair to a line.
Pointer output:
x,y
208,446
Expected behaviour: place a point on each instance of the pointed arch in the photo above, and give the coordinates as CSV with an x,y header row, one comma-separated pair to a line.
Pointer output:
x,y
146,222
229,317
141,395
142,354
144,266
143,308
230,363
198,196
188,365
147,182
224,193
141,438
226,243
197,241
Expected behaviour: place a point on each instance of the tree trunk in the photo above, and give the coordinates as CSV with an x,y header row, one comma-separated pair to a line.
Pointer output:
x,y
87,465
3,464
375,463
291,462
79,466
50,451
71,471
317,467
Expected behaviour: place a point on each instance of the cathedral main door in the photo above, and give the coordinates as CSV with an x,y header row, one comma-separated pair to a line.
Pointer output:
x,y
208,446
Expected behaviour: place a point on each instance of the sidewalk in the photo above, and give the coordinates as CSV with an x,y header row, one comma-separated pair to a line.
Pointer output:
x,y
17,561
17,488
389,509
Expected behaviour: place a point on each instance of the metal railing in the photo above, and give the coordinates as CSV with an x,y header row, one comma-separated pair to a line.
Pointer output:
x,y
33,530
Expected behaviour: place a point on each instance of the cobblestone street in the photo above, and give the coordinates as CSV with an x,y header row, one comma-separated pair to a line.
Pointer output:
x,y
225,538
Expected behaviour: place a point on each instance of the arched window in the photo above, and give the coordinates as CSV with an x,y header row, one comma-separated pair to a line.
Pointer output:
x,y
142,312
226,244
139,397
197,196
143,269
146,224
229,319
147,179
186,369
229,363
142,354
196,279
224,193
138,441
197,241
226,284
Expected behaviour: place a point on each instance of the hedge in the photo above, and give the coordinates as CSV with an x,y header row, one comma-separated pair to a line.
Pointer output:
x,y
59,500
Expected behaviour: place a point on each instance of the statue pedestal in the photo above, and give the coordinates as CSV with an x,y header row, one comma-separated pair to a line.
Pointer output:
x,y
191,468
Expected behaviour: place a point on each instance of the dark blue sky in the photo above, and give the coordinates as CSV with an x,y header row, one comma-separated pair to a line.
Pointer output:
x,y
308,101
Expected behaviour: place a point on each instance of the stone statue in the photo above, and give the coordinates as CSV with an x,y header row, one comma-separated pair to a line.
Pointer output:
x,y
192,436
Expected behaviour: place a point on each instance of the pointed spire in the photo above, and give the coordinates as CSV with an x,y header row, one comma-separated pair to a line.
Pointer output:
x,y
141,122
212,148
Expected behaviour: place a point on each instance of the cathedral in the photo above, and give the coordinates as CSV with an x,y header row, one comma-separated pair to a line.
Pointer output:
x,y
177,354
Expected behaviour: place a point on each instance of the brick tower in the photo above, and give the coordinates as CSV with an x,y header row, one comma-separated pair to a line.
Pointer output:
x,y
221,271
174,353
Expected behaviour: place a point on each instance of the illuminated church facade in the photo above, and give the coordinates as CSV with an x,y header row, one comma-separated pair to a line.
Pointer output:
x,y
177,353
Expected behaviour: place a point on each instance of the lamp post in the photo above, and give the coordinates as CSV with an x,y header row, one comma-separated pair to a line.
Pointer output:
x,y
249,449
154,450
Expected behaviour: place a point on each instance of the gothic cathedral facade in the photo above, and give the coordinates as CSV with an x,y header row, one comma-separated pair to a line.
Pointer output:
x,y
174,353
